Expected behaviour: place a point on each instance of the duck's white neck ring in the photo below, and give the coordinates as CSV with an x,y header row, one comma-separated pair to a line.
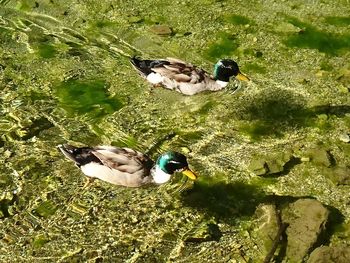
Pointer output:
x,y
221,83
159,176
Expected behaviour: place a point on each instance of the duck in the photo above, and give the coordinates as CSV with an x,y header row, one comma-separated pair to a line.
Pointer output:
x,y
175,74
125,166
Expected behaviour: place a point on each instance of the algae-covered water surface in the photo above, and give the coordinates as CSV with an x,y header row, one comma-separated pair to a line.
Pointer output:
x,y
274,154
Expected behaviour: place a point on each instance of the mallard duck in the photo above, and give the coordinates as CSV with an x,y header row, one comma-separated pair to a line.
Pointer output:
x,y
126,167
185,78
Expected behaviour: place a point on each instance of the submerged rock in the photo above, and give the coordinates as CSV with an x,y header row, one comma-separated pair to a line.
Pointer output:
x,y
135,19
307,219
319,156
162,30
344,137
265,227
204,232
338,254
339,175
258,166
276,163
273,164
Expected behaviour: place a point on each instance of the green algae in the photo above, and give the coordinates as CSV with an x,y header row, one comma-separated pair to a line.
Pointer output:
x,y
325,65
256,130
312,37
39,241
338,20
87,98
46,209
104,23
191,136
237,19
254,67
46,50
223,47
24,5
127,141
209,105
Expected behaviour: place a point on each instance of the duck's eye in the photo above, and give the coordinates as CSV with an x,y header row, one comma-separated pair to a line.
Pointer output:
x,y
173,166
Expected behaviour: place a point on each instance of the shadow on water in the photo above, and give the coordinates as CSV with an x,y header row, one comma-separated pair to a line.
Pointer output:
x,y
227,202
275,111
334,223
37,127
5,205
224,201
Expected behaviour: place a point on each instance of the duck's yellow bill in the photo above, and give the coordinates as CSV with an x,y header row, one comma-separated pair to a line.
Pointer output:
x,y
189,174
242,77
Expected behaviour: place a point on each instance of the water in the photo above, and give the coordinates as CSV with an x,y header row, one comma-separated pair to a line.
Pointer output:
x,y
65,77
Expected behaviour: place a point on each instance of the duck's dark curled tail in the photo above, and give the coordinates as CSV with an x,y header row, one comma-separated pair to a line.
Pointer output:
x,y
145,66
80,156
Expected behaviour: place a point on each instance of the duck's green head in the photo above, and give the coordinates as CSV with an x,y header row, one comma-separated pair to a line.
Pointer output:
x,y
171,162
226,68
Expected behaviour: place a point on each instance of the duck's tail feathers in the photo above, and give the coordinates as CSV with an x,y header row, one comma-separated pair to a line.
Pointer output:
x,y
68,151
144,66
79,155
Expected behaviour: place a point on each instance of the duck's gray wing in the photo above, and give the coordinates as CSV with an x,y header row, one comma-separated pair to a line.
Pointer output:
x,y
120,166
182,72
123,159
176,60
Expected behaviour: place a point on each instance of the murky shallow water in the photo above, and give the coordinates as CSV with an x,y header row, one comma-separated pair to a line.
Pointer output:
x,y
65,76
